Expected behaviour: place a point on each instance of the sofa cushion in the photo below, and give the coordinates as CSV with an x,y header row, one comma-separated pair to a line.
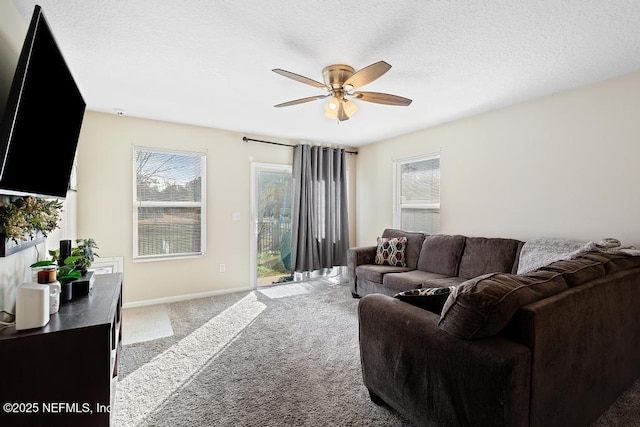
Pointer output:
x,y
409,279
577,271
414,243
447,281
441,253
375,273
613,262
390,251
431,299
483,255
483,306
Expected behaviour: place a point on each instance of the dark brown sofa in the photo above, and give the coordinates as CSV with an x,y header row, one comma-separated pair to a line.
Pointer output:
x,y
552,347
431,261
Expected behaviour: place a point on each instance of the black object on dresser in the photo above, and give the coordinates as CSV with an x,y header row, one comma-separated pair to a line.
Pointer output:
x,y
65,373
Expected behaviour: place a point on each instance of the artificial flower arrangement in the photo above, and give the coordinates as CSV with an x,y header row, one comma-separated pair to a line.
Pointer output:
x,y
23,218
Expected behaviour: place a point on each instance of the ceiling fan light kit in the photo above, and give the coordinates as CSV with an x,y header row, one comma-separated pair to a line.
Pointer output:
x,y
340,80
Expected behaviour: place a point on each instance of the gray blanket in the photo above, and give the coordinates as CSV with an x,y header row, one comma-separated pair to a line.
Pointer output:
x,y
543,251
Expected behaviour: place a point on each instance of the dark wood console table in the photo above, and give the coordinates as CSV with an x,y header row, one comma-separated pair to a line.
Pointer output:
x,y
65,373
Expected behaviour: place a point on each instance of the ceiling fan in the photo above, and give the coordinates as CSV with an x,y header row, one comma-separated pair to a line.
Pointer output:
x,y
340,81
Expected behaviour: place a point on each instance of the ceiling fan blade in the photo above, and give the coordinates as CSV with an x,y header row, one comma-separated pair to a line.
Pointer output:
x,y
301,100
367,74
381,98
301,79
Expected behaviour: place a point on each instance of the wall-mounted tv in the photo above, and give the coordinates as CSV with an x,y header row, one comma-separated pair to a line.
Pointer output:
x,y
42,119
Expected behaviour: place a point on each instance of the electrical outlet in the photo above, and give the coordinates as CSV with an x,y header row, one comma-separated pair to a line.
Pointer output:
x,y
223,268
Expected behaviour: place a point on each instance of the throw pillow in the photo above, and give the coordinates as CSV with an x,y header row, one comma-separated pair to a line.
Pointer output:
x,y
483,306
391,251
431,299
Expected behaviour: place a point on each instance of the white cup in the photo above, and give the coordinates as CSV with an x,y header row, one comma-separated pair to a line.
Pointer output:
x,y
54,296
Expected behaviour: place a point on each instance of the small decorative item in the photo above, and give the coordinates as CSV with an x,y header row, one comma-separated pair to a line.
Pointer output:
x,y
47,276
65,251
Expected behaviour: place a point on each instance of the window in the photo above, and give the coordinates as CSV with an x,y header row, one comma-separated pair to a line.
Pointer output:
x,y
417,194
108,265
169,205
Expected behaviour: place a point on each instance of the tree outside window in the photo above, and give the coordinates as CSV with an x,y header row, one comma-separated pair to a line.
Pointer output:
x,y
168,203
417,195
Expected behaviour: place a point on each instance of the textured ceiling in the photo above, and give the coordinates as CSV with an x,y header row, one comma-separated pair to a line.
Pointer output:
x,y
209,63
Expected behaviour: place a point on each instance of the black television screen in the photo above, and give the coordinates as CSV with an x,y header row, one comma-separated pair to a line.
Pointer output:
x,y
42,118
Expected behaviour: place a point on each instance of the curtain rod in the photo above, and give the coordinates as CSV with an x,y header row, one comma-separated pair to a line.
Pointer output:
x,y
245,139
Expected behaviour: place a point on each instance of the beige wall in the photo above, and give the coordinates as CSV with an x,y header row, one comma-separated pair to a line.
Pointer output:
x,y
566,166
105,196
12,33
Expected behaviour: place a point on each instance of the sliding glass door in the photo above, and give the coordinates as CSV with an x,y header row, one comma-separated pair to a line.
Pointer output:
x,y
271,236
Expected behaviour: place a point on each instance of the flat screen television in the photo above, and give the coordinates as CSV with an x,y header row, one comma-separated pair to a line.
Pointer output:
x,y
42,119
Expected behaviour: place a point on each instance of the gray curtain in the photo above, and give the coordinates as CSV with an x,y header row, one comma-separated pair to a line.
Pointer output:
x,y
320,224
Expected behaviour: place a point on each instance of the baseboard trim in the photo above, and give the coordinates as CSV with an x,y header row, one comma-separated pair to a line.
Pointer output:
x,y
185,297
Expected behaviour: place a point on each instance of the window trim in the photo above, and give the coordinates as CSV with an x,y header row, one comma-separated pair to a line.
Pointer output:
x,y
202,204
397,206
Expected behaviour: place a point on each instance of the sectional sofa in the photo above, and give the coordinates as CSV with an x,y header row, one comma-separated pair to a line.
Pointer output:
x,y
554,346
430,261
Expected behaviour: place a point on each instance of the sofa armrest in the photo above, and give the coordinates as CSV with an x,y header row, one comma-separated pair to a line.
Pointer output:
x,y
585,348
359,256
434,378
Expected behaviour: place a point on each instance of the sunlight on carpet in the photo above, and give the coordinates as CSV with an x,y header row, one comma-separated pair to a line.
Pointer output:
x,y
292,289
145,324
137,397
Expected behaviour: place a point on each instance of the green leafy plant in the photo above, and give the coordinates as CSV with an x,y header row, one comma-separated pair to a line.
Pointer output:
x,y
66,272
83,254
23,218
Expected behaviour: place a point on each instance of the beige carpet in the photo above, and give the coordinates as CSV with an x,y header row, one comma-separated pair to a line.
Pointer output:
x,y
292,289
251,360
142,324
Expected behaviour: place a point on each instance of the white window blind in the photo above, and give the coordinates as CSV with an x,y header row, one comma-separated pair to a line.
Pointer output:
x,y
169,205
417,195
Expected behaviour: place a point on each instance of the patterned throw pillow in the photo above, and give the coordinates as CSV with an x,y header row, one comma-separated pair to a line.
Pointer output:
x,y
391,251
431,299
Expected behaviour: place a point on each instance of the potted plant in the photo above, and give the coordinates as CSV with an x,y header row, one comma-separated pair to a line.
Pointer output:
x,y
65,274
82,255
85,253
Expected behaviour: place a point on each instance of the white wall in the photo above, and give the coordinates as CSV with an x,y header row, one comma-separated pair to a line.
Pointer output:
x,y
105,202
566,165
